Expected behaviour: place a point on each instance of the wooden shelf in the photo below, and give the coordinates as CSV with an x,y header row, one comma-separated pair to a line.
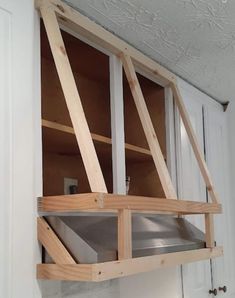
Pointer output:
x,y
66,144
109,270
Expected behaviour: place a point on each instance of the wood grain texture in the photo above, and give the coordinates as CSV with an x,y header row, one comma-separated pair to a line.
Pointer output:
x,y
73,100
155,101
95,137
109,270
157,204
64,203
99,201
52,243
209,230
78,272
75,21
193,140
148,127
124,234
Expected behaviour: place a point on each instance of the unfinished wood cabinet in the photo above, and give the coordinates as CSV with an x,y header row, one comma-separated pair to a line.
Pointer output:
x,y
144,179
61,155
88,74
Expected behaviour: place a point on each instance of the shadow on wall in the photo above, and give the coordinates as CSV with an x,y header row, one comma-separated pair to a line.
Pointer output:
x,y
161,283
68,289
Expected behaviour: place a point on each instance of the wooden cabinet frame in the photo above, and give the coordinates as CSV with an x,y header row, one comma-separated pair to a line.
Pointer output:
x,y
55,14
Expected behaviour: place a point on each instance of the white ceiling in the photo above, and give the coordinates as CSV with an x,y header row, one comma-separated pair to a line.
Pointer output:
x,y
193,38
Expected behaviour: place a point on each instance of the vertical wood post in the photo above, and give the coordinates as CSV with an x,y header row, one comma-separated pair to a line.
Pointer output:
x,y
209,230
117,125
124,234
73,101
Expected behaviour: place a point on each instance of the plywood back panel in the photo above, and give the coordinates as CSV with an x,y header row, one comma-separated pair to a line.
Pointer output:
x,y
144,179
56,167
154,97
91,72
94,96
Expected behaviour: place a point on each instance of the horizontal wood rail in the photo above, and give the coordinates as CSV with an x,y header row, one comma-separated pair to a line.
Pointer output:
x,y
102,201
80,24
108,270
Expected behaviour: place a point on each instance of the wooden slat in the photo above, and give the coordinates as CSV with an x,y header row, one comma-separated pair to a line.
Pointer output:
x,y
66,203
80,24
70,130
150,134
98,201
154,204
109,270
124,234
78,272
86,146
193,140
209,230
52,243
95,137
123,268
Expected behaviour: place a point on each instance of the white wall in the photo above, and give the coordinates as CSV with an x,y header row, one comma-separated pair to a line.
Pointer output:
x,y
19,141
231,132
231,128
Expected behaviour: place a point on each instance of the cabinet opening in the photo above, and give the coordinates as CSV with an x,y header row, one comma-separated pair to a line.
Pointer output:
x,y
140,168
61,155
62,161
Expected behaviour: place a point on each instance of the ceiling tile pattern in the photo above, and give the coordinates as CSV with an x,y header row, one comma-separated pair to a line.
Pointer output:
x,y
193,38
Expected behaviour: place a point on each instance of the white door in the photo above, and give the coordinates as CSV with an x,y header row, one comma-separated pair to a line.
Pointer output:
x,y
218,161
19,101
196,276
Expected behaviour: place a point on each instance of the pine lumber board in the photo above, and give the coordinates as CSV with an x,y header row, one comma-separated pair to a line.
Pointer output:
x,y
95,137
124,234
102,201
78,272
149,131
109,270
193,140
80,24
73,101
52,243
209,230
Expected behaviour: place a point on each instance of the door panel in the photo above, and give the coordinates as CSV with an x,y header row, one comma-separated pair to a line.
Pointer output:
x,y
196,276
5,148
218,162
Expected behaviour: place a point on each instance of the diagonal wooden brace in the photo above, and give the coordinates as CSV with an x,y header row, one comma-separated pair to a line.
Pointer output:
x,y
193,140
150,134
52,243
73,101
